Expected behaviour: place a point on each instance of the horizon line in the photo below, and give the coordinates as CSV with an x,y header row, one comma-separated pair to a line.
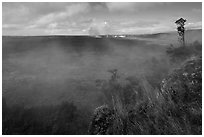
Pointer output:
x,y
93,35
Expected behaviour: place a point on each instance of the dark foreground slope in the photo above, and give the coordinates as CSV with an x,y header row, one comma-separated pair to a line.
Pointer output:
x,y
177,109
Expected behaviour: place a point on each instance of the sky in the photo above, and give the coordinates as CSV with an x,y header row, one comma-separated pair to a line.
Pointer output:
x,y
94,18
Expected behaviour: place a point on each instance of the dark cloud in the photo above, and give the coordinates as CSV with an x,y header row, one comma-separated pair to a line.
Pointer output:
x,y
98,5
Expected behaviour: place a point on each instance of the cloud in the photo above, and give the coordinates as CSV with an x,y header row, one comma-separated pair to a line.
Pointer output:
x,y
194,25
98,5
146,30
140,23
46,17
128,6
69,11
99,28
40,12
14,13
197,10
11,26
93,18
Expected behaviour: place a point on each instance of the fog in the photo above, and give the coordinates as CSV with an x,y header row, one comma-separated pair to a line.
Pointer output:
x,y
49,70
53,84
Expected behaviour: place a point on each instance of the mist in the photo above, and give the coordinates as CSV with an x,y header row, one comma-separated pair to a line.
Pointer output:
x,y
53,84
49,70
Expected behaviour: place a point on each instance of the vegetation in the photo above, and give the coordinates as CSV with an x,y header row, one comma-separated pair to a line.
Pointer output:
x,y
179,54
138,107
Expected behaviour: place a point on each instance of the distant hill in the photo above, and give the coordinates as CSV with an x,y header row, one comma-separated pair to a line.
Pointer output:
x,y
163,38
171,37
157,38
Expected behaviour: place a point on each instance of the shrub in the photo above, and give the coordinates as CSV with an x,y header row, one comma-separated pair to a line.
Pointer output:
x,y
180,54
138,108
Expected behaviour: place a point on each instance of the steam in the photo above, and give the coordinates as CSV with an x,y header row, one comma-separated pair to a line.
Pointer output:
x,y
55,69
99,28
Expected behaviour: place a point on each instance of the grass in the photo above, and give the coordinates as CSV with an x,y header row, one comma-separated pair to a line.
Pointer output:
x,y
181,53
173,109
